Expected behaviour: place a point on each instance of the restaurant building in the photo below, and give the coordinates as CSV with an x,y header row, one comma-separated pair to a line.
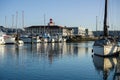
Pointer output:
x,y
50,29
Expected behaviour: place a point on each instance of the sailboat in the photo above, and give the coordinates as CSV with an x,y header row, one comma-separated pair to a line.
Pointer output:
x,y
105,46
6,39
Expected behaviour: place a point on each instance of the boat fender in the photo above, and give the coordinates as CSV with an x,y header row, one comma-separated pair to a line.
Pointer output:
x,y
92,50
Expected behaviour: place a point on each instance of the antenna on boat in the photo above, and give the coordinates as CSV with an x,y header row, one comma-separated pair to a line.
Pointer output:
x,y
105,19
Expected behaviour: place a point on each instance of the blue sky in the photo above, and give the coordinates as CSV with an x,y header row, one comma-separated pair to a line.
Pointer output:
x,y
63,12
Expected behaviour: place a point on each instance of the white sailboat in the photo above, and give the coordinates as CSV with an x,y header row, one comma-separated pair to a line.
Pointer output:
x,y
6,39
58,38
30,39
17,39
105,46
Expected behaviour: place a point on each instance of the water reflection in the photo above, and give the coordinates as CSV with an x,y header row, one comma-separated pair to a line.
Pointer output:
x,y
79,49
117,70
48,51
47,61
104,65
4,49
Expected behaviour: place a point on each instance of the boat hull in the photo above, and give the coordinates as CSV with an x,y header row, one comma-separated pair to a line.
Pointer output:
x,y
9,40
30,40
105,50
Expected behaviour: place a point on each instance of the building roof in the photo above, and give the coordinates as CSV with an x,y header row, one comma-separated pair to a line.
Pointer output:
x,y
46,26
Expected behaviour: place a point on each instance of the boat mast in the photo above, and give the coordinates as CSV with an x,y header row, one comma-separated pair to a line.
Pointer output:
x,y
96,26
105,19
16,38
12,21
44,24
16,21
22,19
5,21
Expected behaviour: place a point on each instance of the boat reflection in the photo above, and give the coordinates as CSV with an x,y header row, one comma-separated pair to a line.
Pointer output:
x,y
2,49
104,65
117,70
46,51
7,48
55,51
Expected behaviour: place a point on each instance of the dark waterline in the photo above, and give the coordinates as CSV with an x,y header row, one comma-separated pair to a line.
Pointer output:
x,y
50,61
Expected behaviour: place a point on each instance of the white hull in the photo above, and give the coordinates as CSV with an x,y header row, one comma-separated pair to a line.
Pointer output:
x,y
64,40
44,40
58,40
20,42
51,40
7,40
30,40
105,50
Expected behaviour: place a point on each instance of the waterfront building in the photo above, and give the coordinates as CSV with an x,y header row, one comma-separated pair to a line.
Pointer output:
x,y
80,31
51,29
89,33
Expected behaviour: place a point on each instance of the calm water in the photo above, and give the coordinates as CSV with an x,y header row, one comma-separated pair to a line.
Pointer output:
x,y
52,61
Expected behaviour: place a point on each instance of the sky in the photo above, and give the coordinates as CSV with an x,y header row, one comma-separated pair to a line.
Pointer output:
x,y
70,13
